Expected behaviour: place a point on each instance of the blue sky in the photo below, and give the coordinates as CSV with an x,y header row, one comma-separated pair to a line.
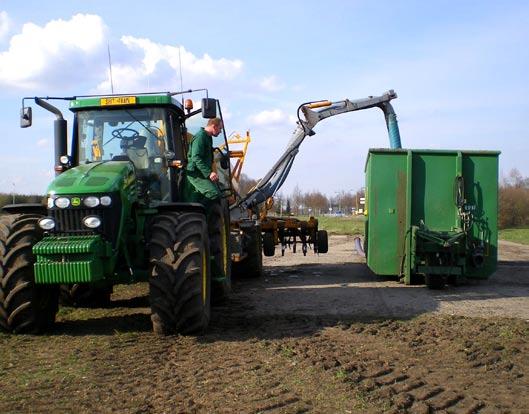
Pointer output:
x,y
460,68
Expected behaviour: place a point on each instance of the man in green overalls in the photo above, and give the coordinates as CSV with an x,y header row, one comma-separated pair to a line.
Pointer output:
x,y
201,181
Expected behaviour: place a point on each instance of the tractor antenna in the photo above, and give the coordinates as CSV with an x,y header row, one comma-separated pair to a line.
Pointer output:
x,y
110,68
180,64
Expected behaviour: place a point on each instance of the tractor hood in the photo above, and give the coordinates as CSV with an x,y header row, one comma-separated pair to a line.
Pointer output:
x,y
96,177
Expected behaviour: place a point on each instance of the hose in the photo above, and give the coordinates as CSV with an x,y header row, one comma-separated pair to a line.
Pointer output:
x,y
358,246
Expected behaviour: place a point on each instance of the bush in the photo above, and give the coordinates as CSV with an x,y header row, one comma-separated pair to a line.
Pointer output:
x,y
514,201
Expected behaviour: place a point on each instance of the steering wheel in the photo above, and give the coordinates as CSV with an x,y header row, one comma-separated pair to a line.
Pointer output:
x,y
118,133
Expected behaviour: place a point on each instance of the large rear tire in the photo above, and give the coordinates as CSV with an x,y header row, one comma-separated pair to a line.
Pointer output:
x,y
24,306
85,295
219,242
180,279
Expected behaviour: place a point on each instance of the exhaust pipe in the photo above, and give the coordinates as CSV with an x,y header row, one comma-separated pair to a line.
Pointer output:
x,y
59,130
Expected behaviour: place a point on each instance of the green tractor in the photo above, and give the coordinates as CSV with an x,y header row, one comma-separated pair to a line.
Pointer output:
x,y
116,214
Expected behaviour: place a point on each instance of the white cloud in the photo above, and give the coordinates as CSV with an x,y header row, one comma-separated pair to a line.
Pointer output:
x,y
270,117
43,143
5,25
49,55
72,54
271,84
158,67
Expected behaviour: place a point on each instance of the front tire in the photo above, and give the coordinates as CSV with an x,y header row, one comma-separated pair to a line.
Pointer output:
x,y
25,307
180,279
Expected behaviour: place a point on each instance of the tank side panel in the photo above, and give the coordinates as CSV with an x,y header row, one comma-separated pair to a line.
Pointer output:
x,y
386,211
480,172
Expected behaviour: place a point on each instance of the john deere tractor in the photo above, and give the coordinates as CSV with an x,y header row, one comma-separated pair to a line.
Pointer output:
x,y
115,214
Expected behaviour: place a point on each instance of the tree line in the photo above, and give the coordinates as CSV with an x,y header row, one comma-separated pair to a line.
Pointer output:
x,y
309,203
513,200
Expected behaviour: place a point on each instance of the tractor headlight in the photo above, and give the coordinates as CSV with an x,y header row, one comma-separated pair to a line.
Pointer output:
x,y
62,202
92,222
47,223
106,201
91,202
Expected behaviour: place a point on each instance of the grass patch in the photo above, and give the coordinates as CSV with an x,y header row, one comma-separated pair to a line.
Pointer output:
x,y
340,225
287,352
515,235
341,374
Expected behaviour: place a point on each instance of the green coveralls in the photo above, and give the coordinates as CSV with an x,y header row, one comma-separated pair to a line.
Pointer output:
x,y
198,187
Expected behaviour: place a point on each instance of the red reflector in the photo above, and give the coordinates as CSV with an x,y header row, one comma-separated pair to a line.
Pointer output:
x,y
59,168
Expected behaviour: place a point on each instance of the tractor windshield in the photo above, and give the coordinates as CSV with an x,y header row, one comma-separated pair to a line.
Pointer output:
x,y
106,134
138,135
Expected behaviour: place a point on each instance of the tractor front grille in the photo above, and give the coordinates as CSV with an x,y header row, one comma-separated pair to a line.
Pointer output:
x,y
69,221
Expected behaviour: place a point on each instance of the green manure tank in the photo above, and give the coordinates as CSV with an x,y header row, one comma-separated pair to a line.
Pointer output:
x,y
432,214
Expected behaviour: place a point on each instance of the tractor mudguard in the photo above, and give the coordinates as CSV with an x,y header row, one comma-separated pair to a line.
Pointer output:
x,y
188,207
25,208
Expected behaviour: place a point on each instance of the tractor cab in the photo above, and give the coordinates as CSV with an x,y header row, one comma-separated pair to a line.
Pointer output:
x,y
150,131
137,135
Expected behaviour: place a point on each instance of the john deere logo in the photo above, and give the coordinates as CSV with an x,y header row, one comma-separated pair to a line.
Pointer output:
x,y
76,201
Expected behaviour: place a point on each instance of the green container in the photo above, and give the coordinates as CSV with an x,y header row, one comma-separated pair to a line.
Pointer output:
x,y
432,213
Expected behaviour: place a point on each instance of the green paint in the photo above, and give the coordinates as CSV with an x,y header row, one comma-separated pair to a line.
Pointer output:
x,y
414,224
95,102
96,177
70,259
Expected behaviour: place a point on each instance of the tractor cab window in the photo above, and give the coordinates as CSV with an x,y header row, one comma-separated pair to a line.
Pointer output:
x,y
220,147
138,135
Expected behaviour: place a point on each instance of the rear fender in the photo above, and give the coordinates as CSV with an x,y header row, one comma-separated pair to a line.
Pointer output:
x,y
186,207
26,208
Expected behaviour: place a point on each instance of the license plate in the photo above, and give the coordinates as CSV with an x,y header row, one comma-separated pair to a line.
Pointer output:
x,y
118,100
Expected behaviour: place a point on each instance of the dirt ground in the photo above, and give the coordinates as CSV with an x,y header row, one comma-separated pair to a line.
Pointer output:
x,y
318,334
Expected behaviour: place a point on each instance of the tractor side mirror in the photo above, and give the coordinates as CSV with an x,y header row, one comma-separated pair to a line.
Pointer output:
x,y
209,108
25,117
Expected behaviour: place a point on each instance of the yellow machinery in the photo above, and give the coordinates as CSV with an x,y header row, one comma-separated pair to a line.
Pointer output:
x,y
283,231
288,231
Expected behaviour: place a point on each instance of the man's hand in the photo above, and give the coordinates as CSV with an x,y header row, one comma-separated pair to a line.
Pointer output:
x,y
213,176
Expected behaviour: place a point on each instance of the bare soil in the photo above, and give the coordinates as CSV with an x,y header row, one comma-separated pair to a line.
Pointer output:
x,y
317,334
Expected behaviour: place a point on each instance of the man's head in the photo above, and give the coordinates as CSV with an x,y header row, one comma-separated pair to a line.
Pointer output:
x,y
214,127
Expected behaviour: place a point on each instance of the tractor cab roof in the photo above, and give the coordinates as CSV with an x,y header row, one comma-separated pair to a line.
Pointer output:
x,y
127,100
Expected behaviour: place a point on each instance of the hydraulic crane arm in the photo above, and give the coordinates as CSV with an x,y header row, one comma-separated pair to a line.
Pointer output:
x,y
313,113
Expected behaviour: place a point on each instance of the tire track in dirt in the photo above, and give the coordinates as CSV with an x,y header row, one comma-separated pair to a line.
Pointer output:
x,y
215,377
424,366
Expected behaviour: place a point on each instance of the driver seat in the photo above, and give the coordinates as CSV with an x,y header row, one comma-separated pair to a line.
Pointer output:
x,y
137,153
